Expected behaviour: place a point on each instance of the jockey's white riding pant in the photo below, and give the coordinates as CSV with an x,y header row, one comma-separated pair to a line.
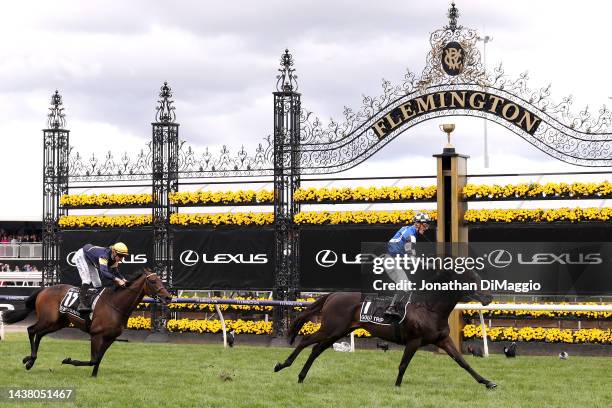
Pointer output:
x,y
394,271
89,274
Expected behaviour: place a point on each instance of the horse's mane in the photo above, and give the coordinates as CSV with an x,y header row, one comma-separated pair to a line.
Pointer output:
x,y
133,276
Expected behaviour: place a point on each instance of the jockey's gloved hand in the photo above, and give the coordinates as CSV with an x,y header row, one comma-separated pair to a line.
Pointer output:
x,y
120,282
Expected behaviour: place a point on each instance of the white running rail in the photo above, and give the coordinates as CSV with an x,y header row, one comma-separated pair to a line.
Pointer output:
x,y
6,306
550,307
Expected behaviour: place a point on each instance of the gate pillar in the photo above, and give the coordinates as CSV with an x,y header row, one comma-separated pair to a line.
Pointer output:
x,y
451,229
56,148
164,146
287,109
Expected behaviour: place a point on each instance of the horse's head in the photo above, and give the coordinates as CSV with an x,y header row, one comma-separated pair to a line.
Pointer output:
x,y
154,287
471,276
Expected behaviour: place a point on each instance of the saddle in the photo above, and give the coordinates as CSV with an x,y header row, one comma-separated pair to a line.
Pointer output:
x,y
374,306
70,302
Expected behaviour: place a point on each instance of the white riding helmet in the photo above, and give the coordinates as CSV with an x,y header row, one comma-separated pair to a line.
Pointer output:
x,y
421,217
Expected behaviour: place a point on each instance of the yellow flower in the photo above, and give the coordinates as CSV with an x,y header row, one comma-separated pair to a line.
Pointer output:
x,y
104,221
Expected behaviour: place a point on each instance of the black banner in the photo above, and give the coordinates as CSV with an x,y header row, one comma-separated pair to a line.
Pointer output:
x,y
564,269
139,242
329,256
331,259
224,258
546,268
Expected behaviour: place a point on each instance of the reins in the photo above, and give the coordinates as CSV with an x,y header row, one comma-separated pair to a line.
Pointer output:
x,y
135,302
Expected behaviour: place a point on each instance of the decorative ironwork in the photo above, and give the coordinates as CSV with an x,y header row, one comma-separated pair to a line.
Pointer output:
x,y
226,164
286,156
56,118
584,139
109,168
56,145
287,80
165,111
165,164
453,15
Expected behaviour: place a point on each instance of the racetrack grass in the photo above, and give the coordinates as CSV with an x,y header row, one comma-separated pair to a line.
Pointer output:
x,y
196,375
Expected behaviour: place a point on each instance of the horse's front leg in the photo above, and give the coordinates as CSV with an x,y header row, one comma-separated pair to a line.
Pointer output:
x,y
447,345
99,345
411,348
98,348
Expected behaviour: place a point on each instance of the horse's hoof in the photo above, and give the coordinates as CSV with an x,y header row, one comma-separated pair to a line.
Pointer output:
x,y
29,364
491,385
300,380
67,360
26,359
278,367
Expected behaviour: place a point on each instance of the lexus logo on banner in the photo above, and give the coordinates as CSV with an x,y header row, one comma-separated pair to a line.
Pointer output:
x,y
326,258
224,258
191,258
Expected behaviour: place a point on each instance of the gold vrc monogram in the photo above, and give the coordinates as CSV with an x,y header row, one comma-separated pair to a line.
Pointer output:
x,y
452,58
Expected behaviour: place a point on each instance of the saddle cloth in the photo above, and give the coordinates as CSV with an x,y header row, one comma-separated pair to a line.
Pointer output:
x,y
373,309
70,302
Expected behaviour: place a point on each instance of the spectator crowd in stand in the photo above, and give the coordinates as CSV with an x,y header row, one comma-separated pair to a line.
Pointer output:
x,y
6,238
17,268
4,267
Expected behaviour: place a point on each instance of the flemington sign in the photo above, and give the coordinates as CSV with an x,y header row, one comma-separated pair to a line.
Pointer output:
x,y
468,99
455,82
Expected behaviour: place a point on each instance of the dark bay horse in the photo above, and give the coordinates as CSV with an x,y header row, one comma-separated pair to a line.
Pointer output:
x,y
426,322
111,313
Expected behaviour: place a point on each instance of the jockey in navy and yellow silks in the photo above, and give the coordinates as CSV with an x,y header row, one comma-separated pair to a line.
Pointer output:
x,y
89,260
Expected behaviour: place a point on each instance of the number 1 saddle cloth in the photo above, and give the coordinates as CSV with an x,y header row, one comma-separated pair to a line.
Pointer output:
x,y
373,309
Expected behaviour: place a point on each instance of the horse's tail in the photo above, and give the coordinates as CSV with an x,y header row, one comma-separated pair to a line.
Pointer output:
x,y
14,316
303,317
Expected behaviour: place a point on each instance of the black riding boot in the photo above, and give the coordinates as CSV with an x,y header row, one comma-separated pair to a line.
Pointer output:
x,y
392,309
84,301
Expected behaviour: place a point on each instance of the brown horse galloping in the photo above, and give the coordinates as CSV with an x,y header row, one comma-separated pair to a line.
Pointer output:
x,y
111,313
426,322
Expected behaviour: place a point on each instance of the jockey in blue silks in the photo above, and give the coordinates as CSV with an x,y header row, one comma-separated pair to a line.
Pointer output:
x,y
403,243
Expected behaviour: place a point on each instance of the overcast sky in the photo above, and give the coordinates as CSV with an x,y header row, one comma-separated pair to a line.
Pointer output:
x,y
109,58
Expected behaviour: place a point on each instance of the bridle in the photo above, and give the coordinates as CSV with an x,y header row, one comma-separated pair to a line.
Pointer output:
x,y
148,284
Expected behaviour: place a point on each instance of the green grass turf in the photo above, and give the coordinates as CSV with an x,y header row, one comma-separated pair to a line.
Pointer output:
x,y
181,375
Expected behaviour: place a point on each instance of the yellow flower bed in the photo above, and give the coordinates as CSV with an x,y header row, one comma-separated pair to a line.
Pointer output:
x,y
342,217
544,313
104,221
311,327
552,335
222,197
470,331
139,323
344,194
209,307
222,219
365,194
539,215
214,326
537,190
75,200
360,217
